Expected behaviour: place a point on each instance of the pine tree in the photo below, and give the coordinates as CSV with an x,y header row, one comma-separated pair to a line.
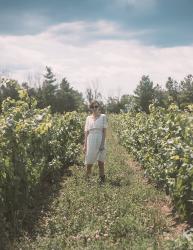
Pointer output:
x,y
68,99
48,90
173,91
186,94
144,94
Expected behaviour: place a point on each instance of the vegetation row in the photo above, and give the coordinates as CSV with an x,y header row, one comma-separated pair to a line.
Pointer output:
x,y
162,142
33,145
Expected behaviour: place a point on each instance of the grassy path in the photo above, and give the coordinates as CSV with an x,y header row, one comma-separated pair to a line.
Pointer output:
x,y
125,213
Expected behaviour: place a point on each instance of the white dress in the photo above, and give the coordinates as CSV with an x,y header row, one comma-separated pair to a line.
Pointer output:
x,y
95,129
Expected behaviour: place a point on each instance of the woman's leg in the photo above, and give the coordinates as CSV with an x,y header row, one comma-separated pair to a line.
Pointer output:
x,y
101,168
88,170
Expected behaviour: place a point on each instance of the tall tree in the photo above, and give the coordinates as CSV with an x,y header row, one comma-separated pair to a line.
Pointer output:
x,y
48,89
144,93
49,77
68,99
186,94
173,91
160,96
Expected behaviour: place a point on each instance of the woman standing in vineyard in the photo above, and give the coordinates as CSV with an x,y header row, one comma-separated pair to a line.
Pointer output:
x,y
94,141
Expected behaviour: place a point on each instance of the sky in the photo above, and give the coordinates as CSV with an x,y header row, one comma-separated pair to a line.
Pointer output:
x,y
105,44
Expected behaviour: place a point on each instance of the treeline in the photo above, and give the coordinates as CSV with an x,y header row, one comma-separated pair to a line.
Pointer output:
x,y
61,96
146,93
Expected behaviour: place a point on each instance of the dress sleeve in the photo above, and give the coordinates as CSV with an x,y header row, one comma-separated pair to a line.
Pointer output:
x,y
86,127
105,124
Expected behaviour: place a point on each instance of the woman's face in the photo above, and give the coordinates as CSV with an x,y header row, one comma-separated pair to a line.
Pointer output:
x,y
95,108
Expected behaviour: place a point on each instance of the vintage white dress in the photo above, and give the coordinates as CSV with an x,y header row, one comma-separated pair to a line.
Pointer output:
x,y
95,129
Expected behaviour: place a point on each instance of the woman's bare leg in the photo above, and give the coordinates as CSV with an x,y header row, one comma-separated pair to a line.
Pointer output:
x,y
88,170
101,168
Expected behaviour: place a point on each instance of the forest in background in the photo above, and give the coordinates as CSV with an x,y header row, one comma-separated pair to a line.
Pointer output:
x,y
62,97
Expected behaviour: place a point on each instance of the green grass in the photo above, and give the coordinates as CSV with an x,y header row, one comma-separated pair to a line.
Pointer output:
x,y
117,215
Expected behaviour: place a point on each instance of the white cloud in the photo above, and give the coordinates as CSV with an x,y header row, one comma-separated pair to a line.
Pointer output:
x,y
83,32
79,52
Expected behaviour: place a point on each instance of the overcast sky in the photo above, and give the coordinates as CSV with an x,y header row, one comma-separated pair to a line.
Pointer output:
x,y
111,43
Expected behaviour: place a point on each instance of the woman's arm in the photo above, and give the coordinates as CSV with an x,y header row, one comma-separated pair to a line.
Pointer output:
x,y
104,132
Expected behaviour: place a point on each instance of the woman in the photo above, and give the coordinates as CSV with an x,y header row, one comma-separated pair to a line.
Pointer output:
x,y
94,141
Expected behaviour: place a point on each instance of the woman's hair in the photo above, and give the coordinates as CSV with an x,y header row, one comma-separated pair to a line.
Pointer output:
x,y
94,102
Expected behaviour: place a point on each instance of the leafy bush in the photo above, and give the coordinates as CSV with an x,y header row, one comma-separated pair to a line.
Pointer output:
x,y
163,143
33,144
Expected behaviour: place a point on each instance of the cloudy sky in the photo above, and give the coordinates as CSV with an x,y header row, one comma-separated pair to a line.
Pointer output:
x,y
109,43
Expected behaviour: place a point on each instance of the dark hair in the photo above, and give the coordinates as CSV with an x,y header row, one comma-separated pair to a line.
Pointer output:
x,y
93,102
